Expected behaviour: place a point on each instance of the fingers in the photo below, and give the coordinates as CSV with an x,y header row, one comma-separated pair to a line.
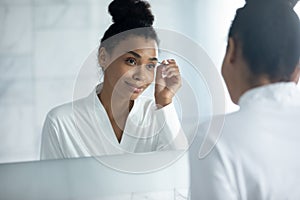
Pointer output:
x,y
168,80
171,71
159,71
169,68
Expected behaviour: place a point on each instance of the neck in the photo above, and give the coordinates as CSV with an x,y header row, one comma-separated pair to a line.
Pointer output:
x,y
117,109
115,106
259,81
248,82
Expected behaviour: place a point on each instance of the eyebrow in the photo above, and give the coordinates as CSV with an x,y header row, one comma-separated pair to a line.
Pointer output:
x,y
139,56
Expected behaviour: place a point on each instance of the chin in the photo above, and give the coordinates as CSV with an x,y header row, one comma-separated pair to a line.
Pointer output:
x,y
235,99
134,96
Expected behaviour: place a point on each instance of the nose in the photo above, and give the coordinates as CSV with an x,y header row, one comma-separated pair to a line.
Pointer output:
x,y
140,74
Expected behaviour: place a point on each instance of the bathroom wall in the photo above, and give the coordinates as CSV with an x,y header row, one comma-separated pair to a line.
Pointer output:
x,y
43,44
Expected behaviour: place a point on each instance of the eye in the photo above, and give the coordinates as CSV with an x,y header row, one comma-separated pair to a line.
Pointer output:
x,y
131,61
150,66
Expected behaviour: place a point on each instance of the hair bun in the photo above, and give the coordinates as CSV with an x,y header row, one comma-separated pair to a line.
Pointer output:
x,y
133,11
290,3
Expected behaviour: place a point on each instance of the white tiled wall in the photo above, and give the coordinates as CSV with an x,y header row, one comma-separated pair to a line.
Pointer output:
x,y
43,44
16,31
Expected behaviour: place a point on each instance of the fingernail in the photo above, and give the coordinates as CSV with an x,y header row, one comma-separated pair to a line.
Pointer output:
x,y
165,62
163,72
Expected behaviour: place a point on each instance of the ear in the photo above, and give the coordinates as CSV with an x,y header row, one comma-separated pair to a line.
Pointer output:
x,y
229,57
231,51
103,58
296,74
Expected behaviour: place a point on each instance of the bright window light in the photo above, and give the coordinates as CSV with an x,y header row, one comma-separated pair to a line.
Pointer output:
x,y
297,8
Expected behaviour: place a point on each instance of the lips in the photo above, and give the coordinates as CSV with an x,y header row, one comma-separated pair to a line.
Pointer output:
x,y
135,88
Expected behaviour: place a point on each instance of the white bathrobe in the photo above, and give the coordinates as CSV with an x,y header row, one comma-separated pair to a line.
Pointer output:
x,y
257,153
82,128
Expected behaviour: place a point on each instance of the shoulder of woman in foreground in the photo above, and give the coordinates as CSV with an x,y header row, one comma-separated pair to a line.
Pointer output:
x,y
66,109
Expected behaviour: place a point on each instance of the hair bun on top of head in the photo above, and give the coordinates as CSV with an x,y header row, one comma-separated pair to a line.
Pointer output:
x,y
131,11
290,3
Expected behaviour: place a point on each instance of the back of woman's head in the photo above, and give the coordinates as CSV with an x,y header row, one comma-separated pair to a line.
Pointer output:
x,y
268,33
130,17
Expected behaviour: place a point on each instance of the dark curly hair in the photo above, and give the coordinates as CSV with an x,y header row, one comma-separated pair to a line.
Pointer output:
x,y
130,17
268,33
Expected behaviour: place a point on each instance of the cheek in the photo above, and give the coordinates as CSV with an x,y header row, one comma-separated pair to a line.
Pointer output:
x,y
150,77
223,68
227,79
225,73
116,71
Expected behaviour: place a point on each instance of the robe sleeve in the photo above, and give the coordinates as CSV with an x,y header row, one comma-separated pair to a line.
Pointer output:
x,y
171,135
212,178
50,147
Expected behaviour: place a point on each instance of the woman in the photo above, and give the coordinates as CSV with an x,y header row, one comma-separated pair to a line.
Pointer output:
x,y
114,119
256,156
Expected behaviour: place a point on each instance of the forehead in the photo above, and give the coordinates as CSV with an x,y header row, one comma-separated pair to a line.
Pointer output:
x,y
145,46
